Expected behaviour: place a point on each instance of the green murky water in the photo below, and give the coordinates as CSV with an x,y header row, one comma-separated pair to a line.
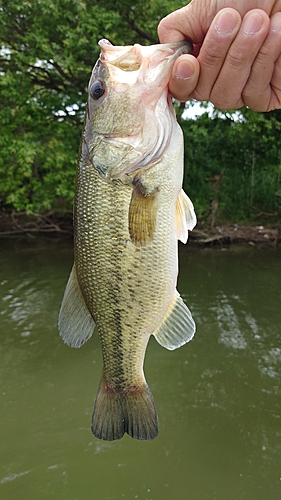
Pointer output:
x,y
218,398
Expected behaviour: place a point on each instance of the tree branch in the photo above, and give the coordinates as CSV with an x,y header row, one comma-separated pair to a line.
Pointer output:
x,y
139,31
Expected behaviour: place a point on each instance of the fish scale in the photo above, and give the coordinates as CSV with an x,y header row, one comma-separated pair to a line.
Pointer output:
x,y
110,269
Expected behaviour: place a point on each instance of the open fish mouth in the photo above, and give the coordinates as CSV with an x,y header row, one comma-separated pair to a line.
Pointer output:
x,y
133,57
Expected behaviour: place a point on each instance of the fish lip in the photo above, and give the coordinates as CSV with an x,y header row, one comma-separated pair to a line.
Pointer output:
x,y
175,48
139,60
181,47
105,44
184,45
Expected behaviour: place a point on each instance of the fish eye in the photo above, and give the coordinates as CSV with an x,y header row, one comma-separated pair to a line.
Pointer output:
x,y
97,90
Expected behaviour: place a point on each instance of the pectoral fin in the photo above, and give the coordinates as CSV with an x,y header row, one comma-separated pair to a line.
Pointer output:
x,y
75,324
142,215
185,216
178,326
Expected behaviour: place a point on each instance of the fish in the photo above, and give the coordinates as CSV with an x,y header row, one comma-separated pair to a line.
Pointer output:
x,y
130,211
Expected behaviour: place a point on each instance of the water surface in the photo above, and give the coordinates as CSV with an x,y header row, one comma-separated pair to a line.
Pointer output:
x,y
218,398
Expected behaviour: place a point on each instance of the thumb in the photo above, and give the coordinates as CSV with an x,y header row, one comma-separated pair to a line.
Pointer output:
x,y
184,77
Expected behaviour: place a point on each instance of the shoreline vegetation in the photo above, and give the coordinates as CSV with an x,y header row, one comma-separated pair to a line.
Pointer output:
x,y
232,158
18,224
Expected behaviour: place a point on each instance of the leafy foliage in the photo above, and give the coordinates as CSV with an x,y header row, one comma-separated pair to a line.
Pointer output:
x,y
236,161
48,48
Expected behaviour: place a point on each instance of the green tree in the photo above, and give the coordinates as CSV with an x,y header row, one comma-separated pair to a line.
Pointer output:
x,y
47,52
236,161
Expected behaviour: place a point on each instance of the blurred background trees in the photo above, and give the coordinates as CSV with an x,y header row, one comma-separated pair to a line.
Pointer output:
x,y
48,49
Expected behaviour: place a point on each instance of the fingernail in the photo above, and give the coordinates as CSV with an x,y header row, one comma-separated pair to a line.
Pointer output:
x,y
275,23
184,70
226,22
252,23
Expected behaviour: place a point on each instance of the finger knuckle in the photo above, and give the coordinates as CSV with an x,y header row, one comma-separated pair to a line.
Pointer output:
x,y
236,57
223,101
211,57
201,94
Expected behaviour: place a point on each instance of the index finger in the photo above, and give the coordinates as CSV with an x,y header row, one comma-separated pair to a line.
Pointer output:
x,y
167,33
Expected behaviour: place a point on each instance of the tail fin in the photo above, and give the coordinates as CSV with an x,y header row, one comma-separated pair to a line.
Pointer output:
x,y
132,411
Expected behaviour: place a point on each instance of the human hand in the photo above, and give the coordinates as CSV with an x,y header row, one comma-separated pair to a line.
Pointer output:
x,y
239,54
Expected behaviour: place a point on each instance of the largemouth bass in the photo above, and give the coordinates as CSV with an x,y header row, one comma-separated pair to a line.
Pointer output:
x,y
130,210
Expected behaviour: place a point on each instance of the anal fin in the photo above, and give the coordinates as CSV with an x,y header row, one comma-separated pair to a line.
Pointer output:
x,y
177,327
75,323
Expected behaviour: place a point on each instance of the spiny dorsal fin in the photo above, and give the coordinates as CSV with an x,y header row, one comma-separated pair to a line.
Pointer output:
x,y
76,324
142,215
177,327
185,216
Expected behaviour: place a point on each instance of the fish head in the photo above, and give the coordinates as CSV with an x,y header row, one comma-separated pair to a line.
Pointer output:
x,y
129,116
